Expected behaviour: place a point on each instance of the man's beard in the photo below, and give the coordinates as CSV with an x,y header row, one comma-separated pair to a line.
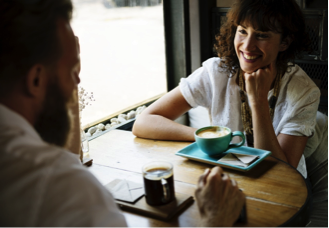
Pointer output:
x,y
54,121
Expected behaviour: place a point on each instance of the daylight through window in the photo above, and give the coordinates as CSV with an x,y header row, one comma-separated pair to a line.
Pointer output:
x,y
122,54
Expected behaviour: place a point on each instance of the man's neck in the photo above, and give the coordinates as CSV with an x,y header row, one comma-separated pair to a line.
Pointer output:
x,y
21,106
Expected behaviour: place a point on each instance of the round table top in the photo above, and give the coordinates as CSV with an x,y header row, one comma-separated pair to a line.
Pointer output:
x,y
276,193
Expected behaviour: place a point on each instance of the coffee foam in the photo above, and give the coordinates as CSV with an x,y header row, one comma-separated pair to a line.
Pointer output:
x,y
213,133
158,173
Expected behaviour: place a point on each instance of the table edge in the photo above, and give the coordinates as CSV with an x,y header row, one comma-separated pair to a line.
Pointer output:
x,y
301,217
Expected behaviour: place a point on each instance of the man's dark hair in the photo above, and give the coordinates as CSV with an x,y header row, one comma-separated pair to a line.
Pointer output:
x,y
28,36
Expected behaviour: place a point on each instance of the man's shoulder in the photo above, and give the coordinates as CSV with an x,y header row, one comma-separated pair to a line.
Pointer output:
x,y
31,164
47,185
26,168
23,149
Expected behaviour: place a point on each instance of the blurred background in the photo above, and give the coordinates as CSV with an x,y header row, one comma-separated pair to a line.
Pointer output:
x,y
122,54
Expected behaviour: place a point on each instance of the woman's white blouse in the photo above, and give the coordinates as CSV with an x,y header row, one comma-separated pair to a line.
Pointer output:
x,y
215,89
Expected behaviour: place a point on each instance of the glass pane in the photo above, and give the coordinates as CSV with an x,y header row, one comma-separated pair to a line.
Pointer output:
x,y
122,53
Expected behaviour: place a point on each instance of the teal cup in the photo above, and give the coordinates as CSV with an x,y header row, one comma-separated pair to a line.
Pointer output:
x,y
214,140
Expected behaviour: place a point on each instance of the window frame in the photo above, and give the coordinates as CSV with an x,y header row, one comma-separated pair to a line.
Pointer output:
x,y
177,40
177,51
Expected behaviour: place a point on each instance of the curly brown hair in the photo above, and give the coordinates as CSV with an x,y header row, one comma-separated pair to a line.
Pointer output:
x,y
281,16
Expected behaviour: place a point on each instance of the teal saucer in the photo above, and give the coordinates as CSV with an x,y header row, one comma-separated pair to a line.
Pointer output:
x,y
193,152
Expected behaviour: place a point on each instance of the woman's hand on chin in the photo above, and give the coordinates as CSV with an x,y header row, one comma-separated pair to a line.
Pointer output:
x,y
258,84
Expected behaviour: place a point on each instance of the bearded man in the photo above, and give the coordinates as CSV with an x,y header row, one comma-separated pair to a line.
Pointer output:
x,y
42,183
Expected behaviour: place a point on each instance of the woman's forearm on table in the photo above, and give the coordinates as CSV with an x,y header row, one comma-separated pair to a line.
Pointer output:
x,y
153,126
264,135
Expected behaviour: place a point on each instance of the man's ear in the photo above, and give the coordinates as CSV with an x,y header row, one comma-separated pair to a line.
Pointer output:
x,y
285,43
35,83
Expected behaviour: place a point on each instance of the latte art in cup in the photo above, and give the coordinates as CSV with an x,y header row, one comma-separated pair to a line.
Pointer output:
x,y
213,133
214,140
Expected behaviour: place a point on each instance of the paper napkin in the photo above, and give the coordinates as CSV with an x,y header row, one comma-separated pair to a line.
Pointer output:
x,y
124,190
243,160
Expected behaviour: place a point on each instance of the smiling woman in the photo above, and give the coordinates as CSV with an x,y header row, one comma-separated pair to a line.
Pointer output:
x,y
257,49
272,22
251,87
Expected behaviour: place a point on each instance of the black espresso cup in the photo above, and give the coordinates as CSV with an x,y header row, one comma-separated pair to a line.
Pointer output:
x,y
158,183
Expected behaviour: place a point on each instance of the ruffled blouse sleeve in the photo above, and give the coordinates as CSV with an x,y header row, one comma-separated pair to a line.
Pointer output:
x,y
302,99
196,89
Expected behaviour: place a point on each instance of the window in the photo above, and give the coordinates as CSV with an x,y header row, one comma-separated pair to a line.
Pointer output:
x,y
122,54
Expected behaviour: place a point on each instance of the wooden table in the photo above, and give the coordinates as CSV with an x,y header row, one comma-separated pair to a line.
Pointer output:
x,y
276,193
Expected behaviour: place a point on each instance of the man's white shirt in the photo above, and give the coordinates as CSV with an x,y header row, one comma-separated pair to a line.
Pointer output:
x,y
45,185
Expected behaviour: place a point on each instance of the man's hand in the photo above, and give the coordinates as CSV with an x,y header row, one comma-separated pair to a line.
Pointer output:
x,y
219,199
259,83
